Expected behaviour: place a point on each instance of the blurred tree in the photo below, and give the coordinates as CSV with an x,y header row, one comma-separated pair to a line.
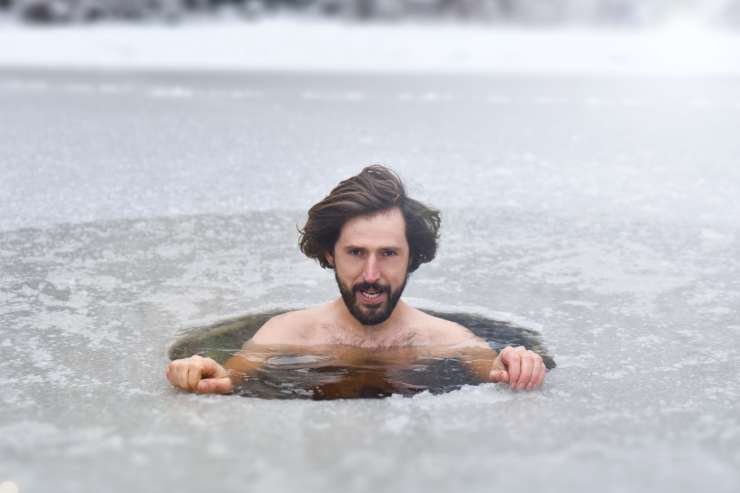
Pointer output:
x,y
521,11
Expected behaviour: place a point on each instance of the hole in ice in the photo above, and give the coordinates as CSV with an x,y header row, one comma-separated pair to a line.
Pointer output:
x,y
375,374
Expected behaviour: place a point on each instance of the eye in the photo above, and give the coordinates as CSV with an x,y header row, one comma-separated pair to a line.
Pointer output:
x,y
355,252
390,253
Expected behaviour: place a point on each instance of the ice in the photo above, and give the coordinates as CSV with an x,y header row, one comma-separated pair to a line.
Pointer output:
x,y
174,92
611,228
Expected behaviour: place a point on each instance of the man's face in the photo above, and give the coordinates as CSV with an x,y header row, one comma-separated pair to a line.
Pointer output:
x,y
371,259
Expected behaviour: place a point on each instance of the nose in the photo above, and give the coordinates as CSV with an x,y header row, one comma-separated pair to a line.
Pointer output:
x,y
371,272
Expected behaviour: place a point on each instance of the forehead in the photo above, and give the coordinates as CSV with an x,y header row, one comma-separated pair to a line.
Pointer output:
x,y
381,229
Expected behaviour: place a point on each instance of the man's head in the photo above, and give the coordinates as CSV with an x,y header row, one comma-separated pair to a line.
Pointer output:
x,y
373,235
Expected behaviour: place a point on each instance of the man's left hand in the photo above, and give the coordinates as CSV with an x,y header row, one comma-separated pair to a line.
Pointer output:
x,y
519,367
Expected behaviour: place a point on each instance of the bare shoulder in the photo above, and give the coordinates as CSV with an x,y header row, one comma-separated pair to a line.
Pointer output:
x,y
286,328
447,332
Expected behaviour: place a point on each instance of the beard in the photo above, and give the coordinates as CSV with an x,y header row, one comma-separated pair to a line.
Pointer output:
x,y
372,314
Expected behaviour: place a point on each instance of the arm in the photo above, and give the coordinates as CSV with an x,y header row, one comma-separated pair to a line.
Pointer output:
x,y
207,376
517,366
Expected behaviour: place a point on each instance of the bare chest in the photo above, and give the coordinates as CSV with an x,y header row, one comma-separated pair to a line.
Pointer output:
x,y
336,335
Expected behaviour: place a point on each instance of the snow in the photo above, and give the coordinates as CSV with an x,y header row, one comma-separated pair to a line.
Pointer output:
x,y
285,44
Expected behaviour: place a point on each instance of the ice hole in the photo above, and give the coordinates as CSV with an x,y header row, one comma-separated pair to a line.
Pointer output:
x,y
306,376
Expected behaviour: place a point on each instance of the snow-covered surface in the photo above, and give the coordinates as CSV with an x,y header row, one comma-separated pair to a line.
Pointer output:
x,y
133,204
680,47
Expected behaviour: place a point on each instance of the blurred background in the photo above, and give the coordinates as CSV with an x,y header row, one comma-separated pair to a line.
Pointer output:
x,y
534,12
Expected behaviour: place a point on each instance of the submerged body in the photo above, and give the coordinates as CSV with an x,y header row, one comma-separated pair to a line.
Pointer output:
x,y
332,372
340,361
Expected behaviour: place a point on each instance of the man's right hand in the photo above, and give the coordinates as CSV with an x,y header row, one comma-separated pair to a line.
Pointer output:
x,y
199,374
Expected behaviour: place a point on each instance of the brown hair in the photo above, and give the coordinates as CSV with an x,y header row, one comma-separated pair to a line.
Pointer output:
x,y
375,189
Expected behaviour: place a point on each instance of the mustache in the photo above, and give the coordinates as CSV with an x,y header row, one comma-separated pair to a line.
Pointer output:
x,y
366,286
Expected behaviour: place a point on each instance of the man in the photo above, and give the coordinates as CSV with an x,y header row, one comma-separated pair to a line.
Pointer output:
x,y
373,236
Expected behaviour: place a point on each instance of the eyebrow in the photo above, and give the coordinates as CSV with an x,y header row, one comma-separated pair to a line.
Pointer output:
x,y
356,247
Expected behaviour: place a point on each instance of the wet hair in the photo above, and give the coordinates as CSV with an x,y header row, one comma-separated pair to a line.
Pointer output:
x,y
375,189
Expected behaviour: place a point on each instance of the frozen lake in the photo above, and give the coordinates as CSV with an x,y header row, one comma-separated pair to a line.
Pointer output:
x,y
602,212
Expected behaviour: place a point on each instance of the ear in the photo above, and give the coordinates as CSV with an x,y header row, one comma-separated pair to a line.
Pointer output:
x,y
329,257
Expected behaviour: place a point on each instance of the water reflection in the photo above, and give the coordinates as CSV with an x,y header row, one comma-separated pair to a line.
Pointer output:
x,y
334,372
344,372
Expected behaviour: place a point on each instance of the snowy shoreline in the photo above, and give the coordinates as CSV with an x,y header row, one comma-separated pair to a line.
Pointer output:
x,y
323,46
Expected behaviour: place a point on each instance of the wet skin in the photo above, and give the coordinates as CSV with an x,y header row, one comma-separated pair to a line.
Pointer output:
x,y
370,260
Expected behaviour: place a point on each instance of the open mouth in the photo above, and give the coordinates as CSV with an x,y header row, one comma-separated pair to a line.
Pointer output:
x,y
371,296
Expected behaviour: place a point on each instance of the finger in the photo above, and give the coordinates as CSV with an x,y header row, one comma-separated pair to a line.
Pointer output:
x,y
173,373
184,374
180,374
210,368
499,376
215,386
194,376
513,361
186,378
537,373
526,371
